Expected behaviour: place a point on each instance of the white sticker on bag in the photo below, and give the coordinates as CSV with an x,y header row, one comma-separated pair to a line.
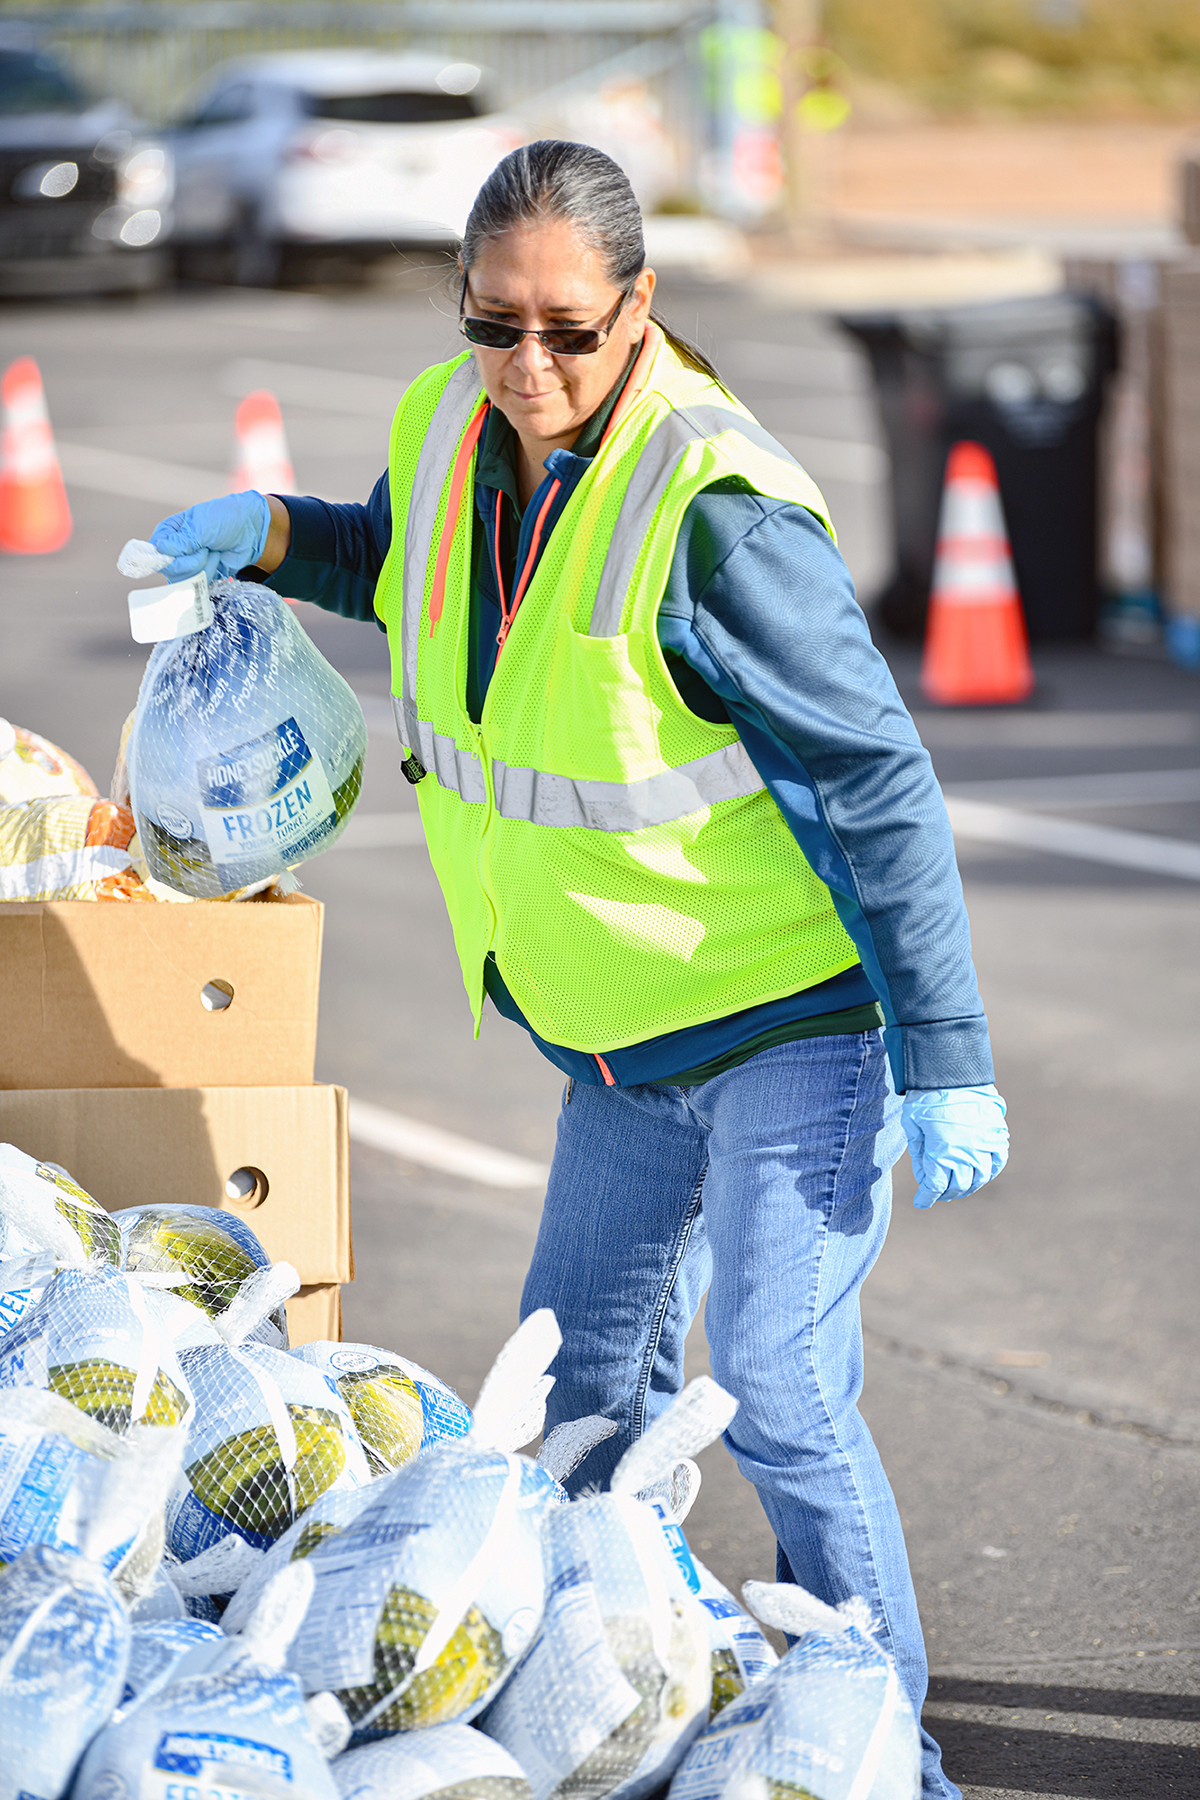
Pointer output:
x,y
270,795
206,1765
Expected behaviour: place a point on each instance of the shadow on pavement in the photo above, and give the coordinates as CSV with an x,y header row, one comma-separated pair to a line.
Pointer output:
x,y
1000,1758
1110,1703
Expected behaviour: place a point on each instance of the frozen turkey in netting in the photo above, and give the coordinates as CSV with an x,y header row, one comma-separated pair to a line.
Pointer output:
x,y
95,1339
247,749
46,1221
399,1407
619,1679
73,1485
425,1601
239,1727
64,1645
831,1719
64,1627
209,1254
269,1435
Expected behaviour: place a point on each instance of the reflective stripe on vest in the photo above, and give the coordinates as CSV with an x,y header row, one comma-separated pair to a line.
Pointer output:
x,y
559,800
460,400
660,458
724,774
455,769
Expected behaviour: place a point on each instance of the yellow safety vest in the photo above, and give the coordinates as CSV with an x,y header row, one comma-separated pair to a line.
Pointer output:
x,y
619,855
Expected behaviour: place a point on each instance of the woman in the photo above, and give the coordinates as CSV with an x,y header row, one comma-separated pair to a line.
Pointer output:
x,y
688,838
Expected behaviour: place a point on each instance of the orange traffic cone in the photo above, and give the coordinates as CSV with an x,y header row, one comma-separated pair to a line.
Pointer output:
x,y
262,453
34,515
976,649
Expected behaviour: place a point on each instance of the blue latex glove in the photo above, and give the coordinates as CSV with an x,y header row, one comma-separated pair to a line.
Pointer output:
x,y
218,536
957,1139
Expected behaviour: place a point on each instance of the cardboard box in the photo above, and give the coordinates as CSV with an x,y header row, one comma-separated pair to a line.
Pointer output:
x,y
315,1313
287,1148
108,995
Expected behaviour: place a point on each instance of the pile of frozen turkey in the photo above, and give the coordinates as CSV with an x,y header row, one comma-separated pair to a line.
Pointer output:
x,y
231,1570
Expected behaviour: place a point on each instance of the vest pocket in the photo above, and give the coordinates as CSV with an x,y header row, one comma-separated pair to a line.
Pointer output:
x,y
600,720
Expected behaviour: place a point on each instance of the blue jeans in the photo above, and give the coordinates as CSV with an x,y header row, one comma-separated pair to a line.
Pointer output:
x,y
769,1187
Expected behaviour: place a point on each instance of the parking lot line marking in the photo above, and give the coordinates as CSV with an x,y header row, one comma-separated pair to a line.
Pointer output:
x,y
1065,837
381,831
330,390
138,477
413,1141
979,729
1127,787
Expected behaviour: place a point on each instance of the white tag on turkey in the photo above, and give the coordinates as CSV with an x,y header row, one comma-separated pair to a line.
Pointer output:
x,y
159,613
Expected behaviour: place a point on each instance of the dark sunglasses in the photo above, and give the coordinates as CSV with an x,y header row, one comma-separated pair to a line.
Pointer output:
x,y
559,340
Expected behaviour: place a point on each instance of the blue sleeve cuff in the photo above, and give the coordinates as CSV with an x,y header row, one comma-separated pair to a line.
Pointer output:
x,y
336,553
940,1053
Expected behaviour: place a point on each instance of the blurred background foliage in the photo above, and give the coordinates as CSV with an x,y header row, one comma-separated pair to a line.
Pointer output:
x,y
1100,59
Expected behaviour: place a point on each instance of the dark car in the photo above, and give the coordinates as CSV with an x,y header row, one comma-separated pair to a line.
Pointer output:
x,y
85,190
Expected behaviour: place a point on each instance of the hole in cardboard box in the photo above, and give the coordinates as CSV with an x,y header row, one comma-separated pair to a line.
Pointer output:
x,y
249,1186
216,995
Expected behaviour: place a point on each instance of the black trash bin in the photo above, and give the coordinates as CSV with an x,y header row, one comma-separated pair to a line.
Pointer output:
x,y
1026,379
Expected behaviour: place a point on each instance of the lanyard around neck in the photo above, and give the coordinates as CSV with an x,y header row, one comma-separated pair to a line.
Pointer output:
x,y
508,613
462,461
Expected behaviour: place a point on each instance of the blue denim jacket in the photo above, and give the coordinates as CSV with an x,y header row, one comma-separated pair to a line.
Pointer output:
x,y
760,626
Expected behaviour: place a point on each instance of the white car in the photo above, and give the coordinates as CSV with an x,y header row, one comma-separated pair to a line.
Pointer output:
x,y
354,151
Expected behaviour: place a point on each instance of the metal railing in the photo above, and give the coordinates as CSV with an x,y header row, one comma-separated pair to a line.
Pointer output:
x,y
151,55
547,61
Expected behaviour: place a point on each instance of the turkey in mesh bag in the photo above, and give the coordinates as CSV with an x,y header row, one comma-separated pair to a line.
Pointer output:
x,y
618,1681
439,1762
399,1407
239,1728
269,1434
57,1465
247,749
94,1338
64,1629
829,1722
426,1599
740,1652
330,1514
32,768
199,1254
46,1220
562,1451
